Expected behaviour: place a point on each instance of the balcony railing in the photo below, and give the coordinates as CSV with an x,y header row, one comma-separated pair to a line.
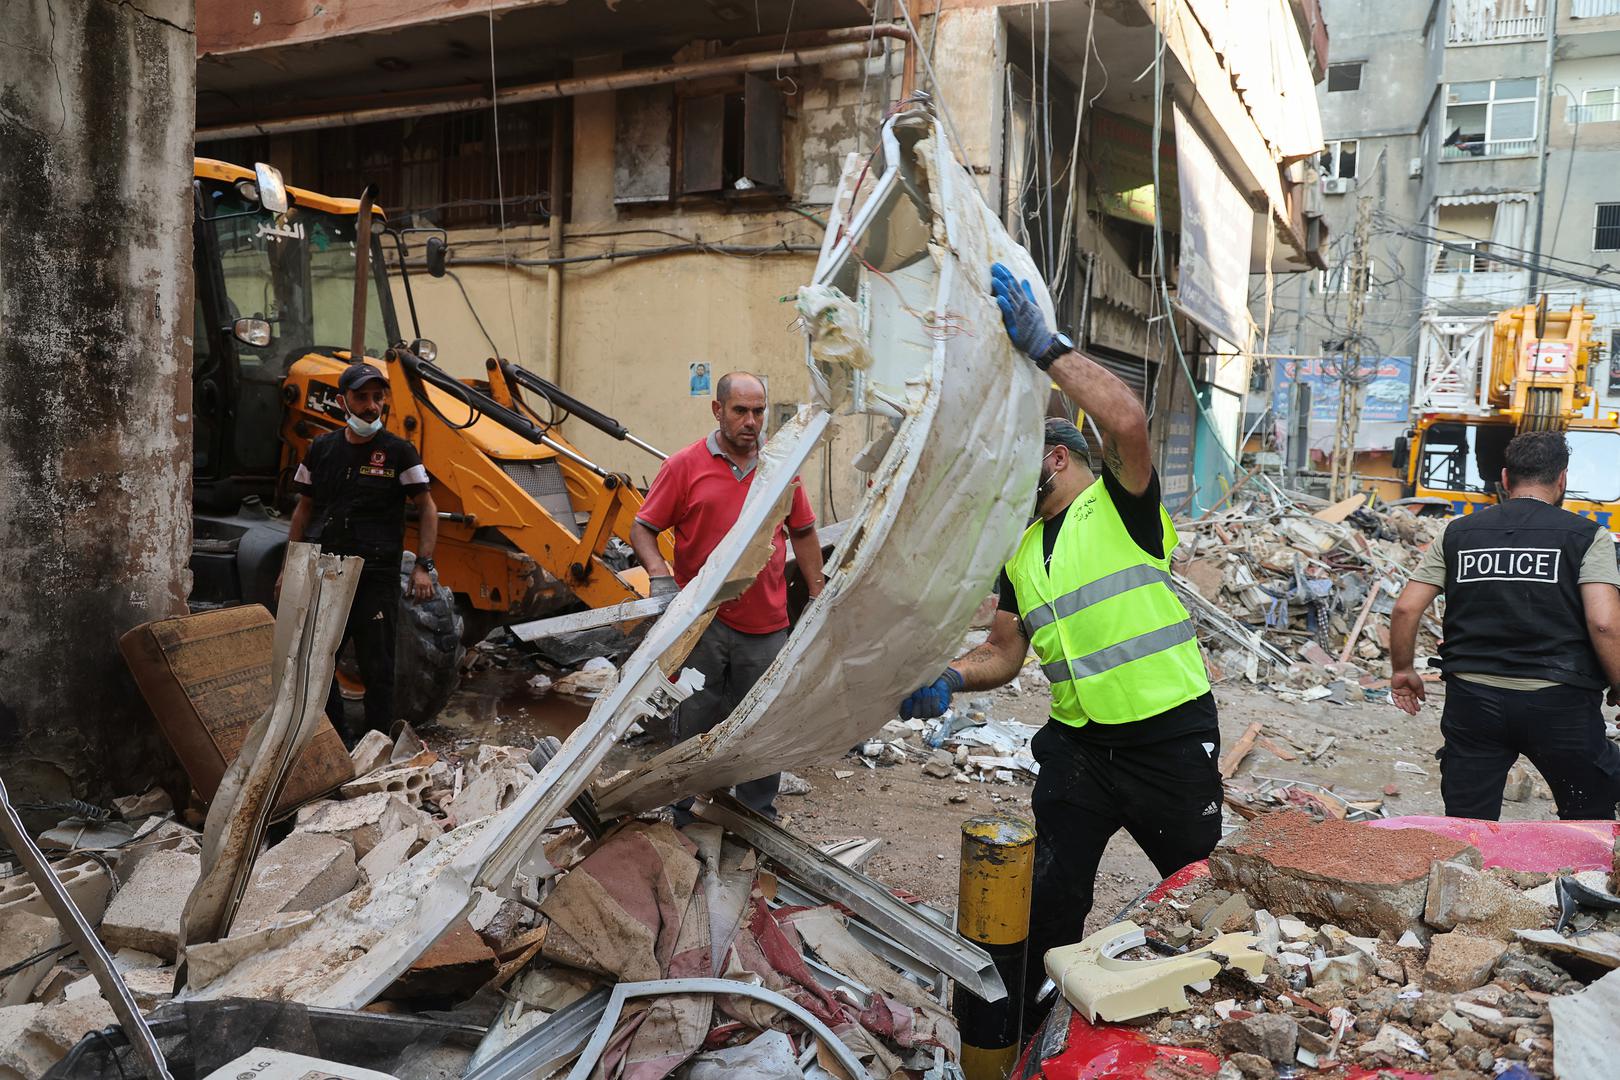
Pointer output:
x,y
1476,31
1594,9
1593,114
1493,148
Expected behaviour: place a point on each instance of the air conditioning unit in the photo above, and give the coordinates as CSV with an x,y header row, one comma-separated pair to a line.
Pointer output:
x,y
1415,168
1337,185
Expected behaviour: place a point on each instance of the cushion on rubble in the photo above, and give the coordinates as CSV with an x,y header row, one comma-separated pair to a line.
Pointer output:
x,y
206,678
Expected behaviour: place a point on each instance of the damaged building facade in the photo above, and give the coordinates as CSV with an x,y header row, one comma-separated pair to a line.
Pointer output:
x,y
664,175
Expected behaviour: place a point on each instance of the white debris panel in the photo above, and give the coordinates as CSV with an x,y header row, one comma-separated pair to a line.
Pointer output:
x,y
948,498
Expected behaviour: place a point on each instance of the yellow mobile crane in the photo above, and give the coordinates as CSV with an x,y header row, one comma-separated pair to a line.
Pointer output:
x,y
1536,376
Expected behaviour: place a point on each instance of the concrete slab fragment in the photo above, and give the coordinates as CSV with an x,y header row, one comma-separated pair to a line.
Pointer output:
x,y
145,914
1363,879
301,873
371,753
364,822
1584,1027
1459,962
409,782
390,854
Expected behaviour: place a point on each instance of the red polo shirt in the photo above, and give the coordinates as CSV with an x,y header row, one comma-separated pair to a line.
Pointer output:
x,y
699,493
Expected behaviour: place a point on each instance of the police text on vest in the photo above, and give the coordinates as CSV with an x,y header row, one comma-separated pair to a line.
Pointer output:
x,y
1508,564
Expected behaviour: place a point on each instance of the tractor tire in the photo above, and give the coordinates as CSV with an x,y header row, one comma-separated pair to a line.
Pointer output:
x,y
427,653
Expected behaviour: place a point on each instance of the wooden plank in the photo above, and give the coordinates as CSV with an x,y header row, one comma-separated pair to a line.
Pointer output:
x,y
1361,621
1341,509
1240,750
1268,745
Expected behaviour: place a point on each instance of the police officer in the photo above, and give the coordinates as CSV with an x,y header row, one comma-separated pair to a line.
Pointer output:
x,y
1133,736
1532,638
352,487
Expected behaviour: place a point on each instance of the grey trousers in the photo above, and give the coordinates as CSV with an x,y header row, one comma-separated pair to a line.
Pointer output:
x,y
731,662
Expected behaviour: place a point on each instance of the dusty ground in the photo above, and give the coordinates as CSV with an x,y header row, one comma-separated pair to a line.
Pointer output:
x,y
920,824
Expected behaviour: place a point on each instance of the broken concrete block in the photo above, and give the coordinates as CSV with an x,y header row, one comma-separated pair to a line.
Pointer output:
x,y
390,853
134,807
1459,962
1229,916
1461,897
940,764
364,822
1519,784
1364,879
1101,986
301,873
1350,970
155,835
490,792
409,782
1272,1036
150,986
24,934
372,752
35,1037
86,881
145,914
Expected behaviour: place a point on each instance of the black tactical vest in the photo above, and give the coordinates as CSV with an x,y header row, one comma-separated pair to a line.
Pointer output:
x,y
1513,594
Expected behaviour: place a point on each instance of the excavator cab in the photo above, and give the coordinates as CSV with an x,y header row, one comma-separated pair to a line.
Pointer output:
x,y
528,525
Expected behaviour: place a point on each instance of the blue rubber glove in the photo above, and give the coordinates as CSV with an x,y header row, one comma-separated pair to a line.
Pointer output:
x,y
1019,311
933,699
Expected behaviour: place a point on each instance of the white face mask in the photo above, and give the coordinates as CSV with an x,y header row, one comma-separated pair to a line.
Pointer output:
x,y
364,428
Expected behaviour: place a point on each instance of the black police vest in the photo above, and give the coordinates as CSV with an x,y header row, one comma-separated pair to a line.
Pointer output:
x,y
1513,594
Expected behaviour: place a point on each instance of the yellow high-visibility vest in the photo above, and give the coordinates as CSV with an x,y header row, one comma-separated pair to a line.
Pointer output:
x,y
1109,630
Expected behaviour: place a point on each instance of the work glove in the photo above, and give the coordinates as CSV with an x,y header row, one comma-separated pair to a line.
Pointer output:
x,y
662,586
933,699
1019,311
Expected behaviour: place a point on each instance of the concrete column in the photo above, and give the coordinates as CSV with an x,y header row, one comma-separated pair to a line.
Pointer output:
x,y
96,117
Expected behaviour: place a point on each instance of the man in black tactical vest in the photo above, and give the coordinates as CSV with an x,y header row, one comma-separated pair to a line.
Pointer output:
x,y
1532,638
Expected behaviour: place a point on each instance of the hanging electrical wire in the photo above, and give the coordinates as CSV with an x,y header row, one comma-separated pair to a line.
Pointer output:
x,y
500,187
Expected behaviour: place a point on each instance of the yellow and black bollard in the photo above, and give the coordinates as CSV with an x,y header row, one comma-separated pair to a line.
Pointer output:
x,y
992,910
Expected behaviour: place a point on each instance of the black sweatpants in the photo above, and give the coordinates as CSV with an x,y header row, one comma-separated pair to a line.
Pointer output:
x,y
1166,794
731,662
1560,729
373,626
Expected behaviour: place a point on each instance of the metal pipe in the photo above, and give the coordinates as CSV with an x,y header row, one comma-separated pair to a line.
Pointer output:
x,y
362,269
554,252
546,91
1546,143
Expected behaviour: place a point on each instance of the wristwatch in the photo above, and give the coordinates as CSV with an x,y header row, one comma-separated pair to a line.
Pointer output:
x,y
1061,343
426,564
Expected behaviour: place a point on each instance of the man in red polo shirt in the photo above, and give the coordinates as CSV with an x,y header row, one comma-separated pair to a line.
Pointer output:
x,y
699,492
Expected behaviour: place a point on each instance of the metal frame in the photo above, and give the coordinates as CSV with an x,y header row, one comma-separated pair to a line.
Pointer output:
x,y
730,987
947,951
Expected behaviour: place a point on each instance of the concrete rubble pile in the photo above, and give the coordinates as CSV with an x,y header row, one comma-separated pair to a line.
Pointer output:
x,y
967,745
1335,945
644,901
1295,594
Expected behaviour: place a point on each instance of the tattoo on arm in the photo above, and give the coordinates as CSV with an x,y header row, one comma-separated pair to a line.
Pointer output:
x,y
1112,459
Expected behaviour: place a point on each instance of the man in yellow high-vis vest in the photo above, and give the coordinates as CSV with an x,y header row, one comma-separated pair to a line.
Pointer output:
x,y
1132,741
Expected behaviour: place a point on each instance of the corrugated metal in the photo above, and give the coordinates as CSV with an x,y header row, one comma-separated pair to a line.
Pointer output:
x,y
1482,200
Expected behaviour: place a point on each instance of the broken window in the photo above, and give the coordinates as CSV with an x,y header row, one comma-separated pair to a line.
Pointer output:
x,y
442,169
1338,161
1342,78
721,141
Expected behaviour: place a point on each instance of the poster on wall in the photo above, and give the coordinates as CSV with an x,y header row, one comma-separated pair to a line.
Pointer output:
x,y
1386,387
1176,468
698,379
1217,229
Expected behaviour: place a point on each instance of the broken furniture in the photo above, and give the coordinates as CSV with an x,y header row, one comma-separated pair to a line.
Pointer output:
x,y
1102,986
206,678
